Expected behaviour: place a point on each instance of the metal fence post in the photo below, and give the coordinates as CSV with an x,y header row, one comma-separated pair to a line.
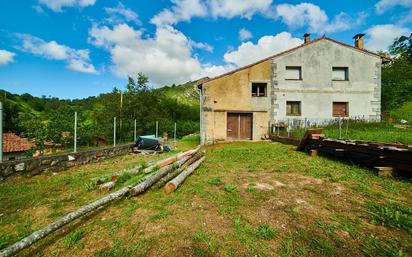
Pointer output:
x,y
134,131
1,132
175,134
114,131
75,133
157,129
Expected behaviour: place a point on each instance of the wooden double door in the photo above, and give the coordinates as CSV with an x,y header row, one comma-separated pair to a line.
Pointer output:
x,y
239,126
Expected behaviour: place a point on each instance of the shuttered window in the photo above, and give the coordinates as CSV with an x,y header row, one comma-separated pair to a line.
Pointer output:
x,y
293,108
293,73
340,73
340,109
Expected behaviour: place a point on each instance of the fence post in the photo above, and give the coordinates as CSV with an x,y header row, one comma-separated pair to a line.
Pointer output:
x,y
75,133
174,135
1,132
340,128
347,128
114,131
134,131
157,129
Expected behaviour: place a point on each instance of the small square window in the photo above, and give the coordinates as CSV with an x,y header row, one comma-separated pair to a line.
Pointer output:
x,y
293,73
293,108
259,89
340,109
340,73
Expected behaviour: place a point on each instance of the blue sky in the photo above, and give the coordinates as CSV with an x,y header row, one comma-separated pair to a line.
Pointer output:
x,y
78,48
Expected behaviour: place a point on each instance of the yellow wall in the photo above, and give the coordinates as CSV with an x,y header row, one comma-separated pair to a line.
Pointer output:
x,y
232,93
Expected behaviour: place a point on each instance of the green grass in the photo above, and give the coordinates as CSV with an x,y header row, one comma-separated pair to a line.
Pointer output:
x,y
73,239
391,214
403,113
357,130
220,210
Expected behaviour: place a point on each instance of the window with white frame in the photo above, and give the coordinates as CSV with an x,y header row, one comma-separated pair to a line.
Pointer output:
x,y
293,73
340,73
259,89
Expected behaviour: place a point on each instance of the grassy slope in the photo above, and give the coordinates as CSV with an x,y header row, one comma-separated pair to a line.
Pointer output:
x,y
185,93
247,199
374,131
403,113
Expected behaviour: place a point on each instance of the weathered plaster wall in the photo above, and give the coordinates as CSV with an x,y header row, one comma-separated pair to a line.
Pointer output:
x,y
54,163
317,91
232,93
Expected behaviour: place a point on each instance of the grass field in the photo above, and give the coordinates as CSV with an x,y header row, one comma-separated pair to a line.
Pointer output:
x,y
374,131
247,199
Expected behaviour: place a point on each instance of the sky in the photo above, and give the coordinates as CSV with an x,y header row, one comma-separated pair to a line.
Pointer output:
x,y
79,48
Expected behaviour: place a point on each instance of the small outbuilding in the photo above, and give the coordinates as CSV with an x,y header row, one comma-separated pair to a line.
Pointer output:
x,y
15,147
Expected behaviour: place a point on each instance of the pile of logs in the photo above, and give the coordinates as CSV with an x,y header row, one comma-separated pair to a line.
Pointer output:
x,y
169,172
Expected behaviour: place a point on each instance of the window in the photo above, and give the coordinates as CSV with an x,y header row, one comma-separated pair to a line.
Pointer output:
x,y
340,109
259,89
293,108
340,73
293,73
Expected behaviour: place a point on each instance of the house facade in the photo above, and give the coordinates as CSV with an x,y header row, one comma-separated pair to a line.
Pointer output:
x,y
316,81
15,147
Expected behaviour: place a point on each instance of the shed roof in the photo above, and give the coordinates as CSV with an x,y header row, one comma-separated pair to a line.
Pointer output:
x,y
13,143
384,58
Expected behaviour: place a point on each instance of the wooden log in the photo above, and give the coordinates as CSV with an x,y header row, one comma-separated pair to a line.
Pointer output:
x,y
107,186
172,159
150,180
39,234
174,174
174,183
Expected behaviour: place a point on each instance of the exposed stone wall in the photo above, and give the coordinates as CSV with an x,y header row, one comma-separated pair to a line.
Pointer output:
x,y
54,163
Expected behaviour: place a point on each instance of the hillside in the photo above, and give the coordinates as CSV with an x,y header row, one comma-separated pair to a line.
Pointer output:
x,y
44,118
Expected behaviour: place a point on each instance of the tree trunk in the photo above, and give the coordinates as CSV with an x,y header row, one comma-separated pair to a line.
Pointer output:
x,y
173,184
107,186
174,174
150,180
39,234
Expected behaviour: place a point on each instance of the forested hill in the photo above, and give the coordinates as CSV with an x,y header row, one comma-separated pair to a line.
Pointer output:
x,y
44,118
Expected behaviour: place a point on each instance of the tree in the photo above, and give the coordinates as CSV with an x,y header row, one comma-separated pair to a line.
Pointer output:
x,y
397,75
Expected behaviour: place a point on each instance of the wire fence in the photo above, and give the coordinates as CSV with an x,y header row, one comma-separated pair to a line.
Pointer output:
x,y
78,134
350,128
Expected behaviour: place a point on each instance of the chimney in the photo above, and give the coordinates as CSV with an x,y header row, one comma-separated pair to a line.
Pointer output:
x,y
307,38
359,42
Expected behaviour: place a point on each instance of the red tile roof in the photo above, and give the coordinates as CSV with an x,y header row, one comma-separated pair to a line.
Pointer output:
x,y
13,143
203,81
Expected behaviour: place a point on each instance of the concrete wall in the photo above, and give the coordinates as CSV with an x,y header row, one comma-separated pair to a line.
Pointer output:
x,y
317,91
232,93
54,163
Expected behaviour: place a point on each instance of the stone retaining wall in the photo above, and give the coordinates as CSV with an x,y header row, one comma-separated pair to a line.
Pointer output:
x,y
54,163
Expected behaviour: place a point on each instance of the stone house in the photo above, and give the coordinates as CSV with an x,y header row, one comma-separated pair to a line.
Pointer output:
x,y
319,80
15,147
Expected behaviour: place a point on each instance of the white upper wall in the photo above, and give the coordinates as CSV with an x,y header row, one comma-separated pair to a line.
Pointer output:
x,y
317,90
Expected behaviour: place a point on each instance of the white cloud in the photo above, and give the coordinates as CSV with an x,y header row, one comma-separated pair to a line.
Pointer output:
x,y
201,45
245,34
380,37
307,14
38,9
248,52
121,14
384,5
77,60
184,10
58,5
244,8
6,57
166,57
